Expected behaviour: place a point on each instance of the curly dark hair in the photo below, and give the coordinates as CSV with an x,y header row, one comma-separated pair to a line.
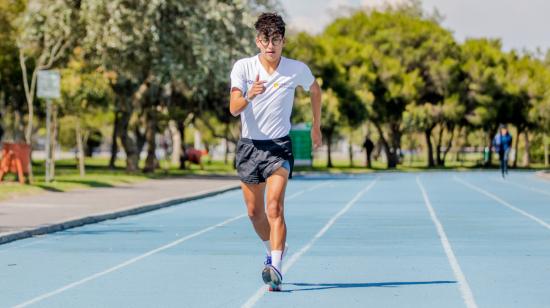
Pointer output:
x,y
269,24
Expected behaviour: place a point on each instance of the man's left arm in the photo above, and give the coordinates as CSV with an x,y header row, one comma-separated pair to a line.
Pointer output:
x,y
316,135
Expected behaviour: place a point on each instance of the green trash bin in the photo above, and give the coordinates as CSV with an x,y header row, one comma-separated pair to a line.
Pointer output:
x,y
301,144
486,153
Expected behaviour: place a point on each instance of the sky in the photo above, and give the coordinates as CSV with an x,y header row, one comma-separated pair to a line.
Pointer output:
x,y
520,24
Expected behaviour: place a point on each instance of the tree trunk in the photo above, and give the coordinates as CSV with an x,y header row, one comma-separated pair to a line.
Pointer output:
x,y
329,149
430,152
459,142
181,129
226,133
396,145
114,144
449,146
350,149
3,113
80,147
390,153
492,133
526,155
127,101
546,150
438,145
140,138
151,161
368,159
129,145
516,146
29,95
176,142
18,126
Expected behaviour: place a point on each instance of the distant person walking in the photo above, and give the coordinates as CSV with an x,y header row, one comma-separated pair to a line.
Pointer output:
x,y
368,145
502,143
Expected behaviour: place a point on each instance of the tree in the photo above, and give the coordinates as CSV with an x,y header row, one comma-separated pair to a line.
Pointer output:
x,y
484,66
181,45
47,29
85,91
11,89
387,76
340,105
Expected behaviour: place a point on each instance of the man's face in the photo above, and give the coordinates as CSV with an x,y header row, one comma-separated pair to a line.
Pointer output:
x,y
503,131
270,47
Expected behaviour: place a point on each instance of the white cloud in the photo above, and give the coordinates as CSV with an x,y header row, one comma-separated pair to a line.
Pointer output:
x,y
378,3
334,4
308,23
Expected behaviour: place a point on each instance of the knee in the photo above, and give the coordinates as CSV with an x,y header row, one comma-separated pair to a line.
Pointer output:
x,y
255,214
274,209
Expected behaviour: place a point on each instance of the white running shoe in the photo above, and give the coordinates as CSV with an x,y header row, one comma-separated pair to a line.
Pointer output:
x,y
272,277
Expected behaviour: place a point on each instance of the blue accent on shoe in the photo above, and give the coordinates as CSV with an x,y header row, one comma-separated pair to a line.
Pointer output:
x,y
267,260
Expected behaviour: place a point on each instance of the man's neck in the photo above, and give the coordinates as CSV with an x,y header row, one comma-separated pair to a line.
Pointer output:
x,y
269,66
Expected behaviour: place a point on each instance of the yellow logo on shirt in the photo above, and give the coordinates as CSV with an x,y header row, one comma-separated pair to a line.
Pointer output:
x,y
276,85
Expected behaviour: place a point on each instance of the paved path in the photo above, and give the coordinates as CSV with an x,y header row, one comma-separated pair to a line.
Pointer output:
x,y
53,211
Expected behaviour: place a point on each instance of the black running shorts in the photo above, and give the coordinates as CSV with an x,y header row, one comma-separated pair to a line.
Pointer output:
x,y
258,159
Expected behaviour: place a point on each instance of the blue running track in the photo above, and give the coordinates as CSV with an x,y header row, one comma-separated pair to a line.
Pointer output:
x,y
439,239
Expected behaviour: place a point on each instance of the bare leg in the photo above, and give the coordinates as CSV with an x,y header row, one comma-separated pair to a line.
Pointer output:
x,y
276,186
254,199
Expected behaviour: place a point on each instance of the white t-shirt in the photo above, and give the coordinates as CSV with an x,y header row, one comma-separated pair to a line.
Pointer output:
x,y
267,116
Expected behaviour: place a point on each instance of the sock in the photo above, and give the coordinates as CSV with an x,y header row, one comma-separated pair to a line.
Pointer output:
x,y
276,261
267,247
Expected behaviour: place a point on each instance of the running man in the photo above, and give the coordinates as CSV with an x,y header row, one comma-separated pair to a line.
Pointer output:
x,y
502,144
262,93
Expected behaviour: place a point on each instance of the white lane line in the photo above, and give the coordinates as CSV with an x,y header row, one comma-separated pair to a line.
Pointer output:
x,y
296,194
465,290
522,186
287,265
147,254
506,204
124,264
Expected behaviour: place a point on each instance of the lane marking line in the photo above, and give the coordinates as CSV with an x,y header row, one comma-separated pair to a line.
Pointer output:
x,y
294,258
522,186
126,263
506,204
465,290
145,255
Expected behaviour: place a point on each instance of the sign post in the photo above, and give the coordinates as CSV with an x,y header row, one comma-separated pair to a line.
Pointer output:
x,y
48,87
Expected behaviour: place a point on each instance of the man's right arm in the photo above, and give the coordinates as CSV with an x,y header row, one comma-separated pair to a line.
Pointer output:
x,y
237,102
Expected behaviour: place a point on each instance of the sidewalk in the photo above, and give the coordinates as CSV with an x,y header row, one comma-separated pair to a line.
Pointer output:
x,y
53,211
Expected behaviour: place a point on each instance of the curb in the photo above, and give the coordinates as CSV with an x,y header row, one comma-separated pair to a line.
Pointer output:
x,y
133,210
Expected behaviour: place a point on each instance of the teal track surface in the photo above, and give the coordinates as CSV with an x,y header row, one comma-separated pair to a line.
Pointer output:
x,y
438,239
